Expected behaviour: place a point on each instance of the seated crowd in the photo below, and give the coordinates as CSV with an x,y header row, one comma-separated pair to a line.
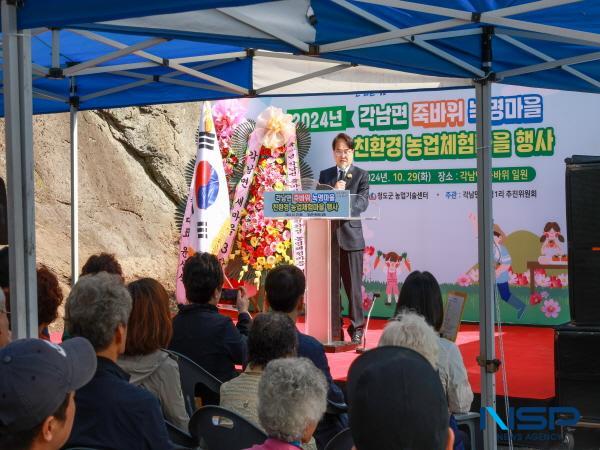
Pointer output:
x,y
114,384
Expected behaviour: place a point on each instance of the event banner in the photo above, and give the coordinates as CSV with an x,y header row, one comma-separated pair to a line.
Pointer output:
x,y
306,204
420,151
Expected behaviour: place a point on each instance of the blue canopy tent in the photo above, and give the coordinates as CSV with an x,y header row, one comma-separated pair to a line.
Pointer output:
x,y
544,43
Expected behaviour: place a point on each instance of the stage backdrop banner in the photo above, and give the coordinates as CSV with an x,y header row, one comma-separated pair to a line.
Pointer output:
x,y
420,150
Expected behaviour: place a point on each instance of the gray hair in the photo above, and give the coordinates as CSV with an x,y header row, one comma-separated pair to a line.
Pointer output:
x,y
95,307
292,394
409,329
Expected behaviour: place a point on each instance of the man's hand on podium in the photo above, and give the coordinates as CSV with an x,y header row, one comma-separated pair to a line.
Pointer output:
x,y
242,302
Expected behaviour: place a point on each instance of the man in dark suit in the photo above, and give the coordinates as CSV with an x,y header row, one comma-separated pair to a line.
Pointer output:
x,y
345,176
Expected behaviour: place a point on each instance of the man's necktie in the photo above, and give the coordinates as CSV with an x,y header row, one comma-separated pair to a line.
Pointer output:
x,y
340,175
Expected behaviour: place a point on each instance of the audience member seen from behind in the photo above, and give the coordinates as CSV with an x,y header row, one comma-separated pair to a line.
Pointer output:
x,y
37,384
202,334
5,335
111,413
148,332
292,397
49,295
272,336
409,330
284,288
421,293
102,262
397,401
49,298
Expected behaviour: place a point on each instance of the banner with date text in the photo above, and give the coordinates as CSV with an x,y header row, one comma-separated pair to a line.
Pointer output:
x,y
420,149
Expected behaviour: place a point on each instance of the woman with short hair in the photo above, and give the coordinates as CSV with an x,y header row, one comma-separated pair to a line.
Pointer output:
x,y
148,332
49,298
272,335
292,397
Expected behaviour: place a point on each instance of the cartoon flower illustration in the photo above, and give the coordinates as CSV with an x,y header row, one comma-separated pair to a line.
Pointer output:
x,y
542,280
464,280
564,279
555,282
535,298
366,300
474,275
550,308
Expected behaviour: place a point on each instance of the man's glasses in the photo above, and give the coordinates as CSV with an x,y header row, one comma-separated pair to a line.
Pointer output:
x,y
348,151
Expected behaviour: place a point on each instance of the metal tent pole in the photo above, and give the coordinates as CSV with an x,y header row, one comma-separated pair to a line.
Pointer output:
x,y
19,173
74,188
487,273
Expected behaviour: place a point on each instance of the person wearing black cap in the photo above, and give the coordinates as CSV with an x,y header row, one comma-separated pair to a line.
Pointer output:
x,y
397,402
37,384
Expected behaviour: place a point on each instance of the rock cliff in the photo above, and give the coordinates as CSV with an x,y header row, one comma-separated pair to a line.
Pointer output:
x,y
131,178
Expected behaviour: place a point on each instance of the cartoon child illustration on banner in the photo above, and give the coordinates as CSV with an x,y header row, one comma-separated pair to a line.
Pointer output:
x,y
503,267
503,262
551,241
393,267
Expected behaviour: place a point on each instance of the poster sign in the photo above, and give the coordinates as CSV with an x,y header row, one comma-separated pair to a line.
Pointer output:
x,y
317,204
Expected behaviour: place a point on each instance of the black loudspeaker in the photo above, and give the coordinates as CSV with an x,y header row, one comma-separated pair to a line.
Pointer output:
x,y
583,235
577,369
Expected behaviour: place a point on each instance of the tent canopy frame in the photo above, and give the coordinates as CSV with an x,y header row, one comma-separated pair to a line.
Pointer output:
x,y
427,37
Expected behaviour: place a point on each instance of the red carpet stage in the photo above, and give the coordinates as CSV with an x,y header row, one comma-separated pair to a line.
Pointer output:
x,y
529,353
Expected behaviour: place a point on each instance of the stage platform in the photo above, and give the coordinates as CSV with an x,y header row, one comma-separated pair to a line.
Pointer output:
x,y
529,359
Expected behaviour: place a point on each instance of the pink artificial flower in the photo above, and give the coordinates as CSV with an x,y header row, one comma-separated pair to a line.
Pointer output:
x,y
551,308
227,115
274,129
